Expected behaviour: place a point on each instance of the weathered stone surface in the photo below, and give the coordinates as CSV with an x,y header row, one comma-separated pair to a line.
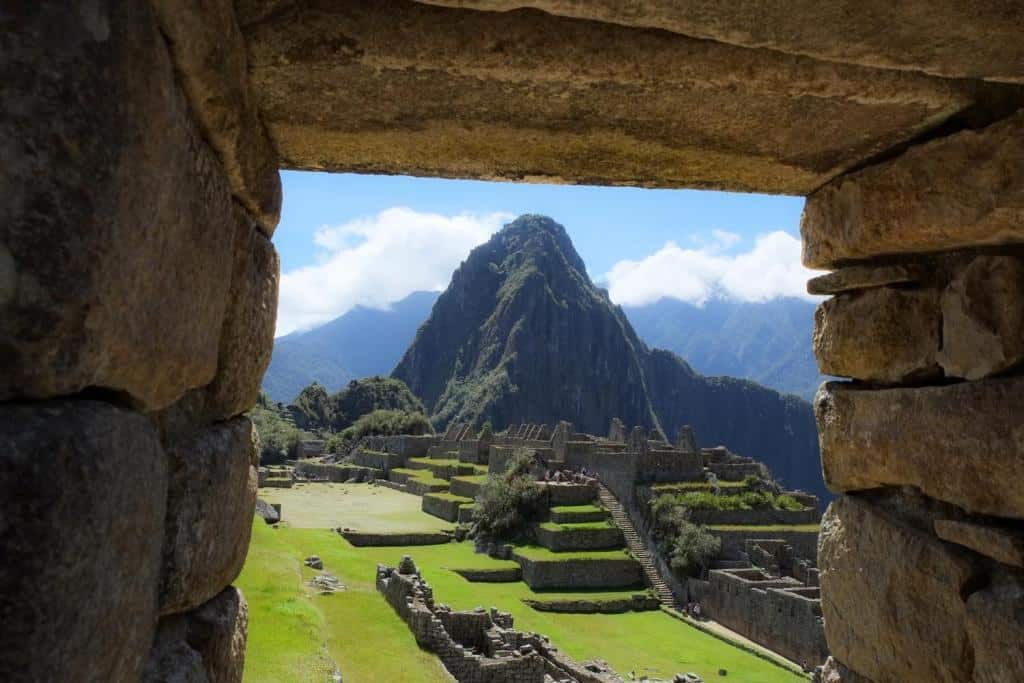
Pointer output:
x,y
81,524
963,40
267,512
865,277
172,659
835,671
983,318
247,337
995,620
890,596
965,189
962,443
882,334
116,226
208,50
397,87
210,502
1001,543
217,631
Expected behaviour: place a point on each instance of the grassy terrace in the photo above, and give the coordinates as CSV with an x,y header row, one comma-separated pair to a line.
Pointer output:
x,y
478,479
670,486
296,634
540,554
426,476
577,509
574,526
808,528
451,496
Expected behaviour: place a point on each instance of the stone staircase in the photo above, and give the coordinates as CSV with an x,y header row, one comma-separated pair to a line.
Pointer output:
x,y
637,547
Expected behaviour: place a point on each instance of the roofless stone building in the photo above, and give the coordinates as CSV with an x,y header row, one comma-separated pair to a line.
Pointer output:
x,y
141,142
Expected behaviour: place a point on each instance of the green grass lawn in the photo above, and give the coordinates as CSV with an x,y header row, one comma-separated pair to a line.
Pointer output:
x,y
297,635
358,506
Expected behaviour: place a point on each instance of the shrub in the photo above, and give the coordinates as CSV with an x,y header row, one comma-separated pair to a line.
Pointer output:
x,y
508,502
278,438
693,549
387,422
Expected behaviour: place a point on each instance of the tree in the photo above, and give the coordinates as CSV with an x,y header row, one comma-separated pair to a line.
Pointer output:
x,y
693,548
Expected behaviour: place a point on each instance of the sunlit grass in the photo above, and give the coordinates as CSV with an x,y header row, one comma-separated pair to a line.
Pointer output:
x,y
296,634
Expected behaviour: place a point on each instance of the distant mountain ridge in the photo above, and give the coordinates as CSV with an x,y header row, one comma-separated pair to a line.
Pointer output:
x,y
768,342
522,334
361,343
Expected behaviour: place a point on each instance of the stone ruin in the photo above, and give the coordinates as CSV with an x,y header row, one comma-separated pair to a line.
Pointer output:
x,y
138,281
480,646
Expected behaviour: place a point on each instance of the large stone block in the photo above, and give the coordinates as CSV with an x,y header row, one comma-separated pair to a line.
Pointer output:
x,y
209,53
396,87
81,524
247,337
960,443
172,659
116,225
962,40
1000,542
210,502
835,671
995,621
891,596
983,318
963,190
883,334
217,631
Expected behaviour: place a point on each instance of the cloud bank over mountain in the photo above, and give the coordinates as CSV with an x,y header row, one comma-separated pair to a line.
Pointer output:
x,y
769,270
376,260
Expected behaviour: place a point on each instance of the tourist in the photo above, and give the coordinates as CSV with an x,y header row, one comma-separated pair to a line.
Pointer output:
x,y
696,610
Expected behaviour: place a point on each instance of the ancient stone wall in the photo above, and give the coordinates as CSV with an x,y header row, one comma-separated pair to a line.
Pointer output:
x,y
756,517
138,291
403,445
608,573
779,613
926,316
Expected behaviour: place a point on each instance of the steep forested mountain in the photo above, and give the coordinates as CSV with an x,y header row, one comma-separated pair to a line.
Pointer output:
x,y
360,343
768,342
522,334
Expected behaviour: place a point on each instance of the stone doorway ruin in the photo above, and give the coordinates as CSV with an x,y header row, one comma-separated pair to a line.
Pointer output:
x,y
141,144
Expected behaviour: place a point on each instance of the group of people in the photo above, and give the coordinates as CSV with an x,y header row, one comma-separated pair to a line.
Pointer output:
x,y
567,475
693,609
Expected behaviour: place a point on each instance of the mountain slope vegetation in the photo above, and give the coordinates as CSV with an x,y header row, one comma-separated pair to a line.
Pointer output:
x,y
522,334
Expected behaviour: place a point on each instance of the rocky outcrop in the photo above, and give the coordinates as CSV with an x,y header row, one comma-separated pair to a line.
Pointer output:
x,y
522,333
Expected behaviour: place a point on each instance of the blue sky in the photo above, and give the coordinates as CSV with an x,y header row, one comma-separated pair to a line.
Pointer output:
x,y
347,240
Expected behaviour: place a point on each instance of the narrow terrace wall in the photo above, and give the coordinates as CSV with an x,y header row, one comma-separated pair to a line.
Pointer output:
x,y
138,300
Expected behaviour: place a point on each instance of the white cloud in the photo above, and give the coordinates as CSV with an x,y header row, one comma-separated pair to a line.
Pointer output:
x,y
769,270
378,260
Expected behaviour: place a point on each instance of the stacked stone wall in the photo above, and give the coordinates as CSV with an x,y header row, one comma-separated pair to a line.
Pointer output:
x,y
778,613
138,292
402,445
925,447
756,517
576,574
321,471
734,542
